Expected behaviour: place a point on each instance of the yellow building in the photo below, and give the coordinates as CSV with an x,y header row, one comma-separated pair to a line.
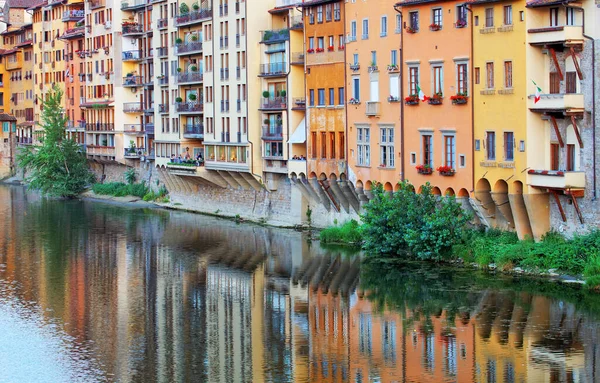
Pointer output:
x,y
500,129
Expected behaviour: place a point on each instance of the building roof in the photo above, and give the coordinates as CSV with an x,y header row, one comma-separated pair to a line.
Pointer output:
x,y
37,5
417,2
312,3
7,117
21,3
545,3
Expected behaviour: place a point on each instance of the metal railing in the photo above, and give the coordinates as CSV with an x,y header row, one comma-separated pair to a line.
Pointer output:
x,y
190,77
133,128
194,46
73,14
132,81
132,107
272,132
274,103
193,129
275,36
194,16
182,107
273,69
132,55
132,29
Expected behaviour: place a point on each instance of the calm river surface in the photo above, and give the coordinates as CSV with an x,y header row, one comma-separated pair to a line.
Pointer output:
x,y
93,292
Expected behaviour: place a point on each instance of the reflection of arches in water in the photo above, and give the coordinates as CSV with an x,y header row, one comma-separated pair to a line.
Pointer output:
x,y
329,273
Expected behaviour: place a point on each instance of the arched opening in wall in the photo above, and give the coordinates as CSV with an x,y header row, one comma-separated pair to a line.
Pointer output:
x,y
333,177
368,185
388,187
323,177
500,197
343,177
449,192
517,187
463,193
293,176
313,175
397,186
483,196
302,176
436,191
420,190
483,185
500,187
359,184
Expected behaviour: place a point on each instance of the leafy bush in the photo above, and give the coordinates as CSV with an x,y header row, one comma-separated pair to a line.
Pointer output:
x,y
420,224
348,233
184,9
592,273
119,189
130,176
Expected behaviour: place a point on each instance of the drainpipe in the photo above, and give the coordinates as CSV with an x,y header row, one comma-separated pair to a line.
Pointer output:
x,y
468,8
595,193
397,9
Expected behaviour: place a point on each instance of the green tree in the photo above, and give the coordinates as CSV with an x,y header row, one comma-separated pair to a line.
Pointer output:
x,y
58,167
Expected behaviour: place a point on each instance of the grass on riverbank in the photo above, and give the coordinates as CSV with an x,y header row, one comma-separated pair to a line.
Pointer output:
x,y
346,234
120,189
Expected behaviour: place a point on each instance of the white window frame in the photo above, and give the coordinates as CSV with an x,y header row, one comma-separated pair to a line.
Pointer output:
x,y
384,26
385,141
365,28
363,145
457,78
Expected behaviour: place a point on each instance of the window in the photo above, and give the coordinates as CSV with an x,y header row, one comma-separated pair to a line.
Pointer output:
x,y
398,24
508,75
413,80
331,42
353,30
331,96
321,43
476,21
554,83
311,43
394,57
373,58
570,157
356,88
461,15
508,18
571,82
489,17
438,80
320,14
341,96
427,149
323,145
365,29
570,16
463,79
414,20
553,17
321,97
313,144
337,12
554,156
436,16
509,146
490,145
386,148
395,87
332,145
311,98
328,12
490,75
450,151
355,56
383,26
363,146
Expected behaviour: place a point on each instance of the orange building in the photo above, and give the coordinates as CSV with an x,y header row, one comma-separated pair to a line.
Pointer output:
x,y
373,83
75,78
325,93
438,127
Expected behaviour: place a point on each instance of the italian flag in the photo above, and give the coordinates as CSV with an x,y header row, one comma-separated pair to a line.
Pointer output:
x,y
422,96
538,91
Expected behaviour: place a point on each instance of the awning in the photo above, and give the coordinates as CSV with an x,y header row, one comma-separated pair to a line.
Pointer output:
x,y
299,135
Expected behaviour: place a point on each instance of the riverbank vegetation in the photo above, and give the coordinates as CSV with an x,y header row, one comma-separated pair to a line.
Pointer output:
x,y
120,189
58,166
422,226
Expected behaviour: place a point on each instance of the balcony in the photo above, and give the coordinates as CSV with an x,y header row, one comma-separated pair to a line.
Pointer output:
x,y
133,153
162,23
133,129
99,127
273,70
132,81
149,128
274,103
163,108
557,102
11,65
556,179
189,107
162,51
104,151
132,55
163,80
372,108
24,140
95,4
275,36
299,103
297,58
188,48
190,78
132,29
193,131
73,15
131,5
132,107
275,164
224,74
272,133
296,23
193,17
564,35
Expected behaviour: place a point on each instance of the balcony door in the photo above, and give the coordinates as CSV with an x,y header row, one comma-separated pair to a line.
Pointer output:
x,y
275,89
189,92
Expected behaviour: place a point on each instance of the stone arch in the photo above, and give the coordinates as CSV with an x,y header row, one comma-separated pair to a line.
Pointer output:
x,y
516,187
359,184
483,185
293,175
500,197
483,198
500,187
388,187
302,176
463,193
368,185
313,175
332,177
343,177
449,192
397,186
322,177
436,191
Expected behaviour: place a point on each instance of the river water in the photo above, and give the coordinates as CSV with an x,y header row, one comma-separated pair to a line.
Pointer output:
x,y
94,292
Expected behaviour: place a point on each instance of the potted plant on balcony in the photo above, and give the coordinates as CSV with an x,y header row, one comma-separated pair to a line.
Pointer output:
x,y
446,171
393,99
413,99
392,68
192,97
266,121
373,67
460,98
184,9
435,27
178,100
283,93
354,101
178,41
266,94
178,70
195,6
424,169
411,30
461,23
436,99
330,48
310,50
194,38
193,68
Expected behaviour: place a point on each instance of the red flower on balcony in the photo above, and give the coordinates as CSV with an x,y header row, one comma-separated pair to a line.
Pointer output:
x,y
310,50
319,50
435,27
446,170
459,99
330,48
413,99
341,47
411,30
424,169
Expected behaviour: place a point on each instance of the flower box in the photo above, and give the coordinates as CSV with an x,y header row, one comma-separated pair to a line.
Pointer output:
x,y
411,30
460,24
392,68
310,50
330,49
446,171
341,48
459,99
353,101
412,100
435,27
424,169
436,99
393,99
319,50
354,67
